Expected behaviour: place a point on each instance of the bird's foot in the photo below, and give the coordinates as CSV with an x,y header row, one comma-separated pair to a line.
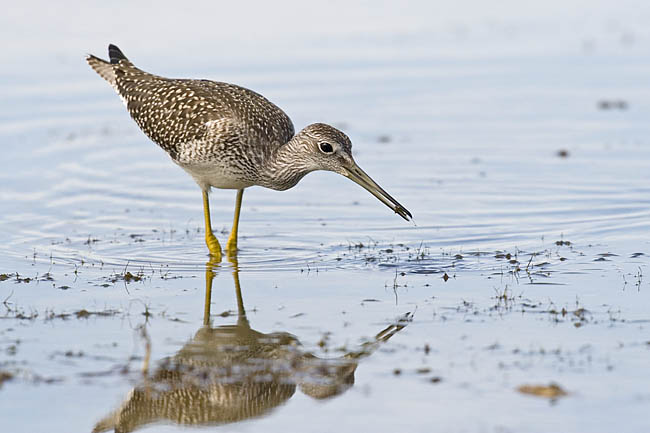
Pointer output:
x,y
231,246
214,247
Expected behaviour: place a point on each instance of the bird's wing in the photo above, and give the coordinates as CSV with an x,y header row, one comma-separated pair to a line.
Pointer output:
x,y
257,118
173,112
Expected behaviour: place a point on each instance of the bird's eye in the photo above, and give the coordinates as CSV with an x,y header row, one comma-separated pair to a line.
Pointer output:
x,y
325,147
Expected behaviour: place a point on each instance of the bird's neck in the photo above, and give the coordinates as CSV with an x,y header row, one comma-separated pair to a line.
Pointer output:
x,y
286,166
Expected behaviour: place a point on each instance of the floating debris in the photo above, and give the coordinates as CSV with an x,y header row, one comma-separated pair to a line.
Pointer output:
x,y
551,391
5,376
614,104
384,138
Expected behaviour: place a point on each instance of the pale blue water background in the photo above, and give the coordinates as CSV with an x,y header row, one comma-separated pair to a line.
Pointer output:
x,y
457,111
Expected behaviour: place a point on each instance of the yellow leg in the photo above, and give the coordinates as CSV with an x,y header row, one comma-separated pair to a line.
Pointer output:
x,y
210,239
231,245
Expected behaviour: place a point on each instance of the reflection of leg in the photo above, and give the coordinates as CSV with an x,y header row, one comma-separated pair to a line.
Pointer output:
x,y
231,246
147,349
210,239
209,276
240,300
242,320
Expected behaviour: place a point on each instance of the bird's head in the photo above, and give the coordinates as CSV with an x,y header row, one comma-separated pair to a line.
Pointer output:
x,y
327,148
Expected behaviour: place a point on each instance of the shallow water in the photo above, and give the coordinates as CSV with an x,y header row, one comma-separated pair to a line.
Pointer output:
x,y
522,267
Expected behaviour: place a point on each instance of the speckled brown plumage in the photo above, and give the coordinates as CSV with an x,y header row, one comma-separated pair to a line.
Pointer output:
x,y
198,121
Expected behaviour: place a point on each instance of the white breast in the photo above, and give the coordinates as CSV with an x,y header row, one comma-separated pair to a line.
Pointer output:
x,y
215,175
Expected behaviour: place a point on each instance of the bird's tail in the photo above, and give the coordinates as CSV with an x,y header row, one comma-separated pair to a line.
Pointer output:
x,y
115,54
105,69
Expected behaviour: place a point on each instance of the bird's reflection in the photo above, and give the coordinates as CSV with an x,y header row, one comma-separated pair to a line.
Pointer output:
x,y
230,373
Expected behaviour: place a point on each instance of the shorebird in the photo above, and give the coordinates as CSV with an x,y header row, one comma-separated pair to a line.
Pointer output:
x,y
229,137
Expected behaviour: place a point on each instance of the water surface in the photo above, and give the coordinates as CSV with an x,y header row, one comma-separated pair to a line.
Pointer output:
x,y
526,263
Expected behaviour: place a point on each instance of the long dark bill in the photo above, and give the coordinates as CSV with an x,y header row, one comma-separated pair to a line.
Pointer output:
x,y
359,176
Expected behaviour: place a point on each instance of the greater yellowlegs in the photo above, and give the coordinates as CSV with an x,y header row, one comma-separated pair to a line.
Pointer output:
x,y
226,136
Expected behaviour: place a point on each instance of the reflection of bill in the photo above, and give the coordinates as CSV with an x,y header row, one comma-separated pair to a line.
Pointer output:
x,y
231,373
